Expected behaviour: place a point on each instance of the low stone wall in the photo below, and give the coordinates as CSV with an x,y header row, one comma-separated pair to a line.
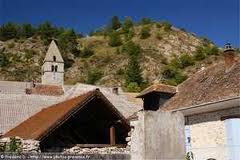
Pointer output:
x,y
105,150
60,156
30,146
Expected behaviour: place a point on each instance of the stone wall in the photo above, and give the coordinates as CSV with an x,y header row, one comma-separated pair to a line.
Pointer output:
x,y
104,150
25,146
158,135
208,134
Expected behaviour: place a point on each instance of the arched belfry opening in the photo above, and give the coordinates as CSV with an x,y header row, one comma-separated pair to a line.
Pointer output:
x,y
56,68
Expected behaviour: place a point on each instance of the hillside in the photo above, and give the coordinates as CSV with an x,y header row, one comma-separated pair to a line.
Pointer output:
x,y
99,63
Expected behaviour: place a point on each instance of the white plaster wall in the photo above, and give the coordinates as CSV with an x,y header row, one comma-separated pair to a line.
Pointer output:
x,y
208,134
49,77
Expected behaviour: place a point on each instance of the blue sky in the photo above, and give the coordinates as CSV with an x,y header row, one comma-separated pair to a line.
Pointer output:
x,y
216,19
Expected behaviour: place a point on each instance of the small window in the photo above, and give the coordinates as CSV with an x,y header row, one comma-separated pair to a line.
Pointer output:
x,y
52,68
56,68
54,58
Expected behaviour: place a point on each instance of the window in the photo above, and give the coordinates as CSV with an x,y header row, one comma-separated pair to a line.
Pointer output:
x,y
54,58
56,68
52,68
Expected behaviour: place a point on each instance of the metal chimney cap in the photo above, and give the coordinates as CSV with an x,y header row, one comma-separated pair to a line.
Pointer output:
x,y
228,47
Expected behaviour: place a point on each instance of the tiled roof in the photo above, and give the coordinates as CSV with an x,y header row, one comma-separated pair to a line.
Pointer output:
x,y
15,108
158,88
120,101
37,126
50,90
209,85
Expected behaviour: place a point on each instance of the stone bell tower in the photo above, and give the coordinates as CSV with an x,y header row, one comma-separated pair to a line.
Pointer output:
x,y
53,66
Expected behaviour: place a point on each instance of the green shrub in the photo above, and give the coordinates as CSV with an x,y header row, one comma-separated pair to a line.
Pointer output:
x,y
189,156
167,26
199,54
127,24
120,72
145,21
93,76
145,32
86,52
173,76
211,50
129,34
4,59
133,87
8,31
29,53
14,145
10,45
131,48
158,36
114,39
186,60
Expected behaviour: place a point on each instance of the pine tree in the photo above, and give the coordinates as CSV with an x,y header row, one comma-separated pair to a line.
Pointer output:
x,y
134,71
47,32
115,23
127,24
114,39
8,31
27,31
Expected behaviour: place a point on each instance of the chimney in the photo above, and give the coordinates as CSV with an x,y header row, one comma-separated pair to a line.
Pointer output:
x,y
229,57
115,90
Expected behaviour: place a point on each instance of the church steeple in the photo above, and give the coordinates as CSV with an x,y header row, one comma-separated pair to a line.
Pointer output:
x,y
53,66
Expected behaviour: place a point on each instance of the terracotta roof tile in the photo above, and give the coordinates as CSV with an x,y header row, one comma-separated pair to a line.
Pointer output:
x,y
158,88
50,90
209,85
39,123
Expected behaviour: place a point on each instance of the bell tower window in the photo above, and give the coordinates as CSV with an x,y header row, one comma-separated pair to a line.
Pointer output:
x,y
54,58
56,68
52,68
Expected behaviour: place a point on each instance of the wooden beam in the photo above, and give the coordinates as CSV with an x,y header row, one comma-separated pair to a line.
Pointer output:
x,y
112,136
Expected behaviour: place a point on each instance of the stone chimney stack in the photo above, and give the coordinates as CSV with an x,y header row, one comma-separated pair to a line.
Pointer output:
x,y
115,90
229,57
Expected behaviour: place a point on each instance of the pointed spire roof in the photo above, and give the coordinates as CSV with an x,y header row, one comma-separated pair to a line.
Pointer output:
x,y
53,51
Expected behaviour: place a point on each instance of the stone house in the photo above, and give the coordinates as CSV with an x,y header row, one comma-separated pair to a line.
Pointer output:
x,y
210,102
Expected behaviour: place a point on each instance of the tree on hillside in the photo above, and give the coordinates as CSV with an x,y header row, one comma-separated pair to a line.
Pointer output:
x,y
133,75
134,72
115,23
114,39
67,42
145,32
145,21
27,31
131,48
127,24
8,31
47,31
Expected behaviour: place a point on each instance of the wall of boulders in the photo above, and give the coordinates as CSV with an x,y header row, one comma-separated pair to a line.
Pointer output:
x,y
22,145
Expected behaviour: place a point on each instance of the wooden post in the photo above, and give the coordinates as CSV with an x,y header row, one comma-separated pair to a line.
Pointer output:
x,y
112,135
